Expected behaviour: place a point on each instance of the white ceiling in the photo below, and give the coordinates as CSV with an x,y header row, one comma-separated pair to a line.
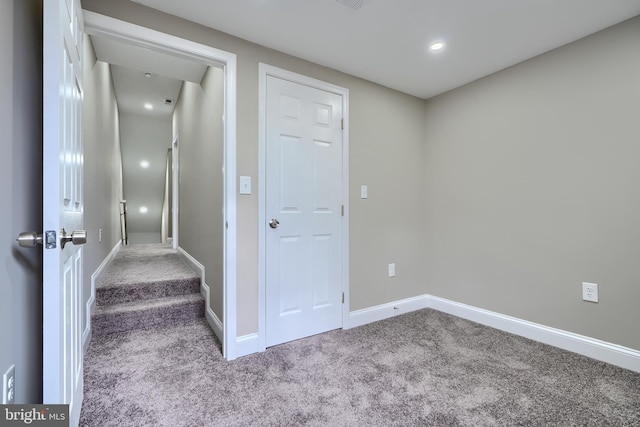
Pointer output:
x,y
134,90
386,41
129,64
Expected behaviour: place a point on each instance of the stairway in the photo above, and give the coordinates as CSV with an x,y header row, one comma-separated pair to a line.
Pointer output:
x,y
145,286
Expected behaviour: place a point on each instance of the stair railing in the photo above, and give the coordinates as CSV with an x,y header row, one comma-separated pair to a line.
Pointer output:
x,y
123,222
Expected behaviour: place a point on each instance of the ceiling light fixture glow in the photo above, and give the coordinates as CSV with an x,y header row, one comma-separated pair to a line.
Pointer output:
x,y
144,164
143,209
148,106
436,46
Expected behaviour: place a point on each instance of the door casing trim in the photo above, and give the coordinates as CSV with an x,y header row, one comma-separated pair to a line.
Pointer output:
x,y
265,70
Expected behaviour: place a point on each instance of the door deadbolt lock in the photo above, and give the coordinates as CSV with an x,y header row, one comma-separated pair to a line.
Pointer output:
x,y
31,239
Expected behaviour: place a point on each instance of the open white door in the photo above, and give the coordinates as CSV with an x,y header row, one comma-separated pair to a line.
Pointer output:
x,y
62,205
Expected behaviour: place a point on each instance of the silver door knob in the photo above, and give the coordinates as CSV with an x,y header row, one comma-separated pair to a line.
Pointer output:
x,y
274,223
31,239
78,237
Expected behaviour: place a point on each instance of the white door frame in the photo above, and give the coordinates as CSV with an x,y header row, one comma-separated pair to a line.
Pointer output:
x,y
269,70
101,25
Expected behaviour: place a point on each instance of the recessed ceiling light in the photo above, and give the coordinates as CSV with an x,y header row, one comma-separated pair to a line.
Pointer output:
x,y
436,46
148,106
143,209
148,75
144,164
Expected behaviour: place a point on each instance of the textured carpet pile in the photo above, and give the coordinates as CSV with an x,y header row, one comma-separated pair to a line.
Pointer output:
x,y
145,286
424,368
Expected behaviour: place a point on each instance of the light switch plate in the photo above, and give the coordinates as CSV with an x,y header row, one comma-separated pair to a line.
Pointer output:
x,y
245,185
392,269
364,192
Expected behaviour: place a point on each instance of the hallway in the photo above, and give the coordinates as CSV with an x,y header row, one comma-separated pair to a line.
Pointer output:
x,y
142,291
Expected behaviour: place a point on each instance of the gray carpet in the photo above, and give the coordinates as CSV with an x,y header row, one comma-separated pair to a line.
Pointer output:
x,y
145,286
424,368
153,264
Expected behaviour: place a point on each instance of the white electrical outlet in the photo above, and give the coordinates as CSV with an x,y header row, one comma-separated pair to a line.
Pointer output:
x,y
9,386
392,269
100,235
590,291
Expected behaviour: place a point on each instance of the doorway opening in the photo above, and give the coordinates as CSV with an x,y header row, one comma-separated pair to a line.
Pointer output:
x,y
224,64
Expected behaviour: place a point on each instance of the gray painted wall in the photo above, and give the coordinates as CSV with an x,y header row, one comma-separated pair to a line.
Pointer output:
x,y
21,189
102,165
387,149
198,123
144,138
505,194
531,184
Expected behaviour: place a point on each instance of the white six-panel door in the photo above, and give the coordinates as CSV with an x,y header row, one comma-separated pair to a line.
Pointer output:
x,y
62,204
303,268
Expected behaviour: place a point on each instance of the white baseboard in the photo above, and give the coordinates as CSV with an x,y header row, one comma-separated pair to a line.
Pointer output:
x,y
596,349
247,344
384,311
91,302
198,267
212,319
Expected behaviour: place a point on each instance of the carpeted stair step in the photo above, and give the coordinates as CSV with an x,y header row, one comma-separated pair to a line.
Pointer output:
x,y
108,319
118,293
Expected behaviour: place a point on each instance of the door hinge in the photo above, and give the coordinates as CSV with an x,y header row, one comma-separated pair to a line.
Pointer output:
x,y
343,297
342,124
342,210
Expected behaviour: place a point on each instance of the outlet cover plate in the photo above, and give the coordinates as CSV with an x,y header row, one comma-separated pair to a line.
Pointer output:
x,y
9,386
590,292
392,269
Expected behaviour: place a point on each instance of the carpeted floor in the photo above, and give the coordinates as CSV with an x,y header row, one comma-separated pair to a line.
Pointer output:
x,y
144,263
424,368
143,286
